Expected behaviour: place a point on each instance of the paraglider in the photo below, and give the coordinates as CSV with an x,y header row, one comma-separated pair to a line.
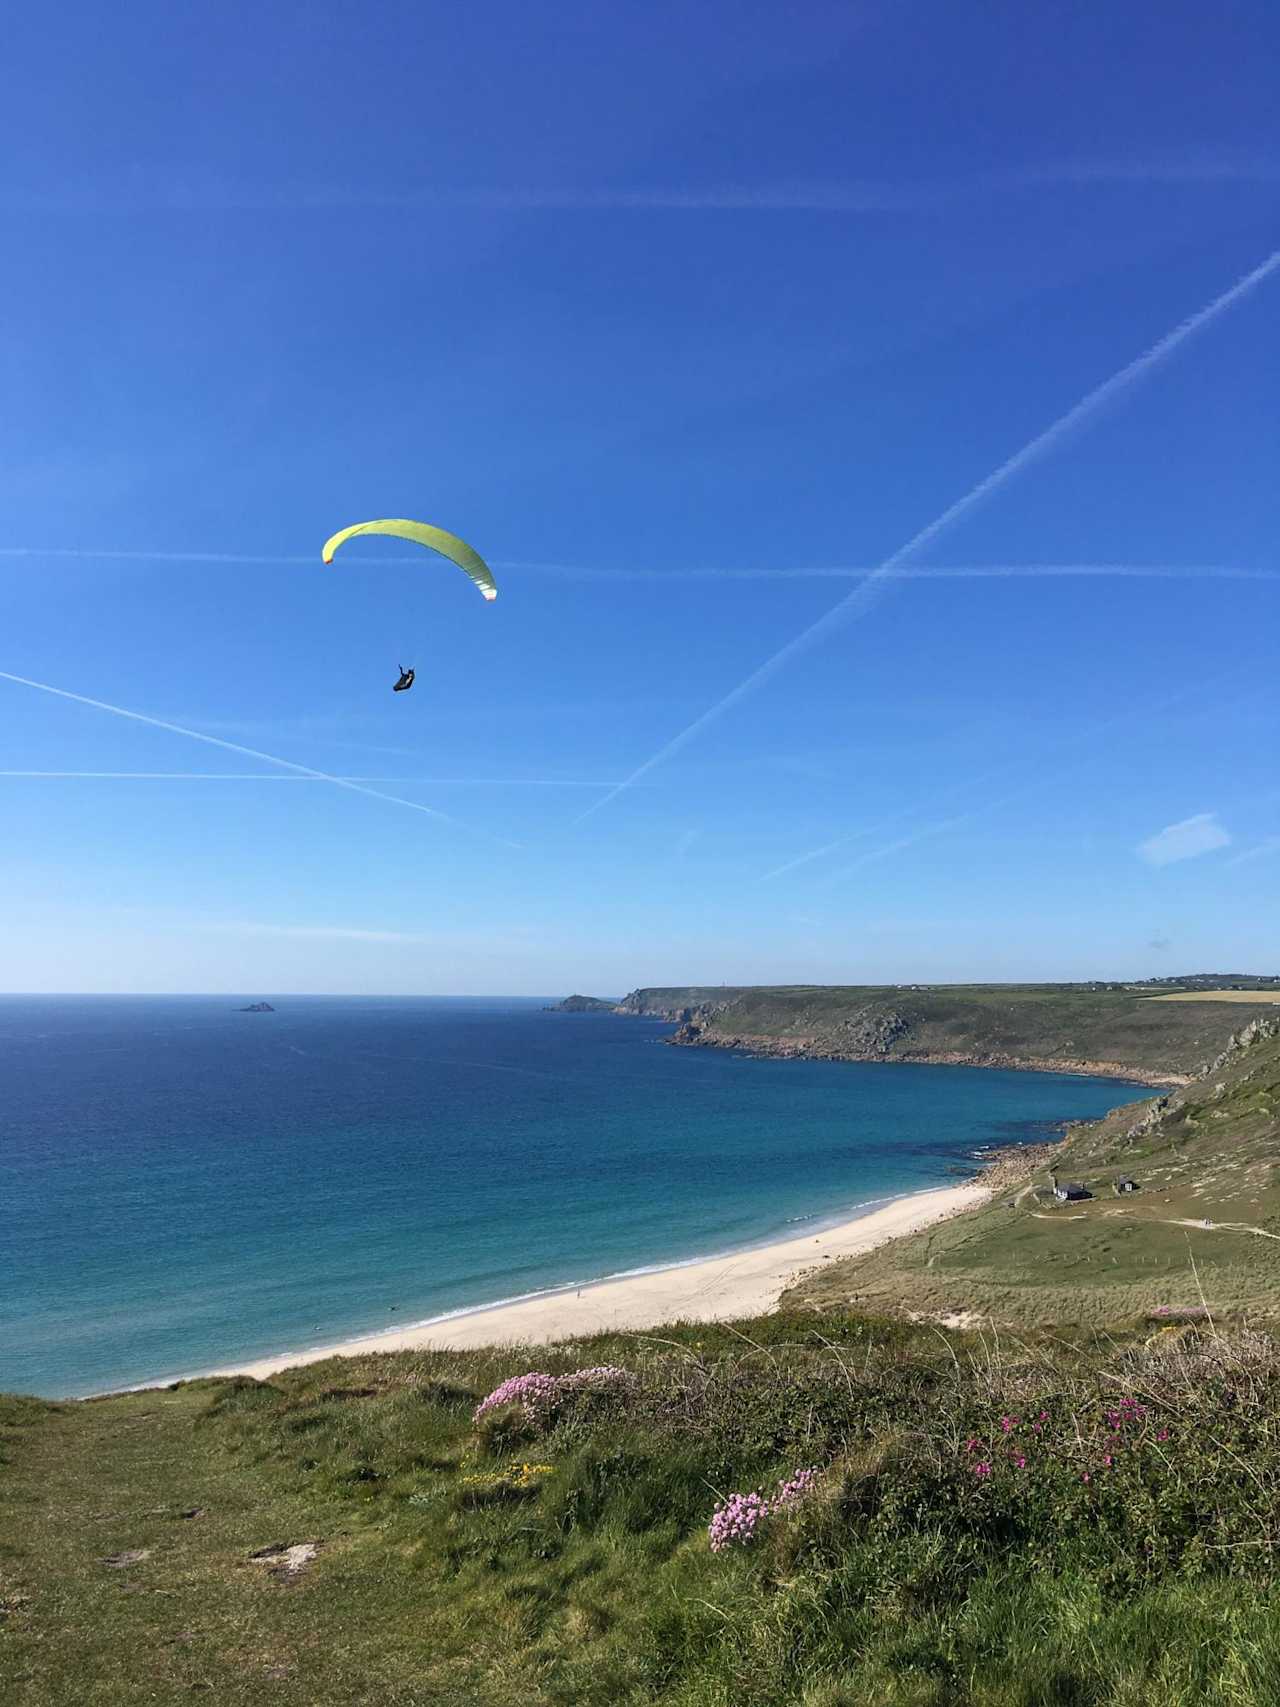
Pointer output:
x,y
435,539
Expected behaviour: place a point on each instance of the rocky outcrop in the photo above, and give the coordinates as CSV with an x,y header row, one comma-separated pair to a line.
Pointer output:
x,y
883,1042
678,1004
1256,1031
1106,1031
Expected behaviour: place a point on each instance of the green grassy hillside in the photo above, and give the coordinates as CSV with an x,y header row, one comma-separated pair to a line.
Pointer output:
x,y
947,1521
1114,1029
831,1506
1204,1225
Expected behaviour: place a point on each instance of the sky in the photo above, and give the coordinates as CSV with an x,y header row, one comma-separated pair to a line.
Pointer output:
x,y
869,412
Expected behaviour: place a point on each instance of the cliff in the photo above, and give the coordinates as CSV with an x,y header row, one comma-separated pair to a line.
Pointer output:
x,y
1200,1230
1109,1029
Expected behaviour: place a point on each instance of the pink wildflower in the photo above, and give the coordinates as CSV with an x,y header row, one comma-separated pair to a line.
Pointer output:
x,y
535,1393
1021,1461
982,1469
737,1521
791,1492
605,1379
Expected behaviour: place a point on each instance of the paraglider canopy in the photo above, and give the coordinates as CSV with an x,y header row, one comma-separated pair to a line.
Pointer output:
x,y
435,539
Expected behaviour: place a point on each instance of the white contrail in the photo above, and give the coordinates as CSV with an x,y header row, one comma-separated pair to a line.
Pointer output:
x,y
250,753
860,600
1042,777
702,571
674,577
966,786
196,776
910,572
319,776
80,553
1271,845
160,189
826,848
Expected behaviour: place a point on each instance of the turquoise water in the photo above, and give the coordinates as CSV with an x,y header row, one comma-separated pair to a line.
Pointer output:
x,y
183,1185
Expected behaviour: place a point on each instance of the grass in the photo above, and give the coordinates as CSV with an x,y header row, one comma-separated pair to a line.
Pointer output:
x,y
1206,1220
1252,996
1119,1029
1031,1516
445,1573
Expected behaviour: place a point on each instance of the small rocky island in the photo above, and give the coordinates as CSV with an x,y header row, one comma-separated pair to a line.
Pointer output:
x,y
258,1008
583,1005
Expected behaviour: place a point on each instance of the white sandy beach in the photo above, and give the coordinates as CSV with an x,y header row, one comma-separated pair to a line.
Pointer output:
x,y
717,1289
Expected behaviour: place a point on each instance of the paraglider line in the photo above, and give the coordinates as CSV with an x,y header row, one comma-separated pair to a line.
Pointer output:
x,y
858,602
250,753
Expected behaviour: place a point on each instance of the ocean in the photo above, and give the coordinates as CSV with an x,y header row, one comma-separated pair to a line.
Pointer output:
x,y
184,1186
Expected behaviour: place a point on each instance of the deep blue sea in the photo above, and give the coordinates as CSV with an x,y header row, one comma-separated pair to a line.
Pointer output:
x,y
184,1186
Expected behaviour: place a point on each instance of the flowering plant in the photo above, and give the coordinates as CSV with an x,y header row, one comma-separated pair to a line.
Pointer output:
x,y
535,1393
738,1520
604,1379
538,1394
514,1476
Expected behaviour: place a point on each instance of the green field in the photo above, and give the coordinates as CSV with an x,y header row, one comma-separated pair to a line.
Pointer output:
x,y
1075,1504
978,1529
1203,1227
1112,1028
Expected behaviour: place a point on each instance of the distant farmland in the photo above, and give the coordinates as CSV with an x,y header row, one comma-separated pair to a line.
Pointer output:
x,y
1219,996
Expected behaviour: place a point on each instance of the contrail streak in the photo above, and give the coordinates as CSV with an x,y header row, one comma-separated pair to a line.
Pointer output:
x,y
911,572
1271,845
250,753
196,776
1042,778
161,190
964,787
704,572
86,553
79,553
856,603
270,776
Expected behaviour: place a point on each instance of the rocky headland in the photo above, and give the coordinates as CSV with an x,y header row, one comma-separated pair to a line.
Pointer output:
x,y
1106,1030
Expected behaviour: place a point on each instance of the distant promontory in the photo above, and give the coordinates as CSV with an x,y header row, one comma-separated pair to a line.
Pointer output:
x,y
583,1005
1158,1030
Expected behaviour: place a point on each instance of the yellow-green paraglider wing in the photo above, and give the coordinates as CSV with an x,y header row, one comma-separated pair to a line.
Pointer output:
x,y
435,539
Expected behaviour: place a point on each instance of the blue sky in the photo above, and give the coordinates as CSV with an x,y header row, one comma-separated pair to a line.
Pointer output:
x,y
689,319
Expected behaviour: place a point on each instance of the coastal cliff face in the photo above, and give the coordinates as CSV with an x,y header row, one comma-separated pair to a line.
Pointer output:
x,y
1199,1230
679,1002
1105,1030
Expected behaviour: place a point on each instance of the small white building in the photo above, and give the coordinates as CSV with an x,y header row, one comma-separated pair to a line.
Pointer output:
x,y
1066,1191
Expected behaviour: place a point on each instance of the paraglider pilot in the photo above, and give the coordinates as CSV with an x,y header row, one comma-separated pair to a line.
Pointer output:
x,y
406,680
